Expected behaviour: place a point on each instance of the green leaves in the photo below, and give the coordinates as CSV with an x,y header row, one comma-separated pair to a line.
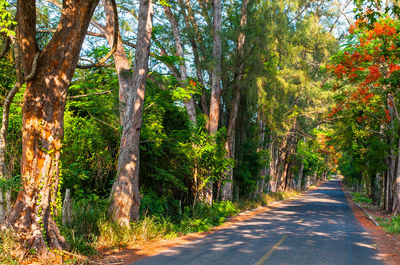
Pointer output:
x,y
6,22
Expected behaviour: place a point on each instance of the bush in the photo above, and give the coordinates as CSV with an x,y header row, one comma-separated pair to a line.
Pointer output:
x,y
203,216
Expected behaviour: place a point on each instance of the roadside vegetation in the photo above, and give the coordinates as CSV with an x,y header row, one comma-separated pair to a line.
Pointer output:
x,y
91,232
236,104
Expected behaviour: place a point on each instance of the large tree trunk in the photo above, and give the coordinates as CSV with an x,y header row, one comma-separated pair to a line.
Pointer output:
x,y
227,189
260,183
125,197
42,119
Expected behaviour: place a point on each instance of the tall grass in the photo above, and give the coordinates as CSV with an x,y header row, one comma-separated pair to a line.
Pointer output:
x,y
83,230
391,226
360,198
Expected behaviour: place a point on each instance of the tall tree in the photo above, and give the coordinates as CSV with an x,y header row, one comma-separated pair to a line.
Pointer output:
x,y
125,197
215,86
227,189
43,113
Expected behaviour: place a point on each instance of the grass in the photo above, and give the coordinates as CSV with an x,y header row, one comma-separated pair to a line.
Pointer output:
x,y
9,253
390,225
360,198
265,199
91,230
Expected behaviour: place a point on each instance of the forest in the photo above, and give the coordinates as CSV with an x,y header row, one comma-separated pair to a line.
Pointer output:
x,y
134,120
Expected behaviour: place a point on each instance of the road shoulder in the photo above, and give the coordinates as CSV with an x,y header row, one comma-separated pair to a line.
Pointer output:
x,y
388,245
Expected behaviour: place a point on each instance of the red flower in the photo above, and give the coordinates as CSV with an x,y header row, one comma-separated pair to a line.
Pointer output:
x,y
387,115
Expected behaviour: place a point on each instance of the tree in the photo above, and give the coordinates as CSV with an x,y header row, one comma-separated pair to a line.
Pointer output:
x,y
215,87
227,189
367,73
43,110
125,197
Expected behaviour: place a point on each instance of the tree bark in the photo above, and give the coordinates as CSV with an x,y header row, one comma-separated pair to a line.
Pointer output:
x,y
215,87
260,183
227,189
395,205
66,216
125,197
42,119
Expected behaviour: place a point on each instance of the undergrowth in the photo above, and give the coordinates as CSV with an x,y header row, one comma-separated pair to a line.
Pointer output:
x,y
265,199
90,229
9,253
360,198
390,226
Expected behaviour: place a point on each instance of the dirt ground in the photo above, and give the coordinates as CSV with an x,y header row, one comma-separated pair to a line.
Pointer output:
x,y
388,245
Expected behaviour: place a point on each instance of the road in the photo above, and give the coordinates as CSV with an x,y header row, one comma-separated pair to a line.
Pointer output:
x,y
316,228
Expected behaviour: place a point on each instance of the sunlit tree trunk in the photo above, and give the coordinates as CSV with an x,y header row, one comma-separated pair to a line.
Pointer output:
x,y
42,119
260,182
125,197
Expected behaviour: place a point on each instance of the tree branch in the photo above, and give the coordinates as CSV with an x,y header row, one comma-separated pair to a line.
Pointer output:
x,y
103,122
34,68
115,41
5,49
91,94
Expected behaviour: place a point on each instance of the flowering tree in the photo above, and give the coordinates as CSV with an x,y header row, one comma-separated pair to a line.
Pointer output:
x,y
366,76
367,69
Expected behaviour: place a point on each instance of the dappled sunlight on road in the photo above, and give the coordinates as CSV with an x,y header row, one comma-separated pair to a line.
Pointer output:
x,y
320,221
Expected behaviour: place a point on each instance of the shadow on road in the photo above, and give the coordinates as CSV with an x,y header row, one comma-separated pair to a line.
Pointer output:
x,y
320,229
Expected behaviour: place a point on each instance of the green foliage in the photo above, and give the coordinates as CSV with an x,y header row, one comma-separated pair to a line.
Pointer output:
x,y
204,216
82,232
6,22
13,183
91,136
360,198
392,225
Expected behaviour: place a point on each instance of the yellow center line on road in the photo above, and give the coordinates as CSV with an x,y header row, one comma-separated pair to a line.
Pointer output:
x,y
269,253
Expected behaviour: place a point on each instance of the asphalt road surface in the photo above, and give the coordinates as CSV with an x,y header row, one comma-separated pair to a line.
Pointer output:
x,y
317,228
